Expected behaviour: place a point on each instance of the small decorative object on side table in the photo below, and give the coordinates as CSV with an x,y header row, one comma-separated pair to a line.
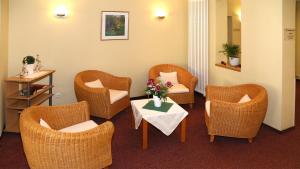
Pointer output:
x,y
31,65
28,65
158,90
232,53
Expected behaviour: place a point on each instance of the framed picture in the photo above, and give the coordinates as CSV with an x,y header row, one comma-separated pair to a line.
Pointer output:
x,y
114,25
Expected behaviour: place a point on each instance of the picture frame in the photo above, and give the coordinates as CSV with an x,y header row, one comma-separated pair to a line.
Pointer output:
x,y
114,25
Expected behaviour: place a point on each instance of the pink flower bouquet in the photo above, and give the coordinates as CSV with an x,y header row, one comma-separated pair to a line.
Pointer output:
x,y
158,88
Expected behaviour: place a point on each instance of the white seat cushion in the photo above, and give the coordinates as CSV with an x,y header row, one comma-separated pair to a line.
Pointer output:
x,y
168,77
178,88
87,125
116,95
94,84
44,124
245,99
207,107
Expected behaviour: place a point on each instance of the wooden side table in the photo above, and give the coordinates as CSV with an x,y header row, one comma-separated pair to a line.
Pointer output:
x,y
166,122
15,103
145,133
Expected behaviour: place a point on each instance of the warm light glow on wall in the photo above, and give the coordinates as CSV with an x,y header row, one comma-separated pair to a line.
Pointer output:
x,y
160,9
160,13
61,11
239,14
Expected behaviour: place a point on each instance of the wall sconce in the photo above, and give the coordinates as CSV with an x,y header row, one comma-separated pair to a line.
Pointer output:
x,y
239,14
61,11
161,14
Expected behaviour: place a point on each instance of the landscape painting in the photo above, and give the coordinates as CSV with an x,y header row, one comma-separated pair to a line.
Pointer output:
x,y
114,25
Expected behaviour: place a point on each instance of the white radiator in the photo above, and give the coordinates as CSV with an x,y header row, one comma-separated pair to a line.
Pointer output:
x,y
198,42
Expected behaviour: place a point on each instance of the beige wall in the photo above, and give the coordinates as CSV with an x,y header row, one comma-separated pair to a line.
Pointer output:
x,y
288,62
234,8
298,40
3,53
73,44
262,55
220,22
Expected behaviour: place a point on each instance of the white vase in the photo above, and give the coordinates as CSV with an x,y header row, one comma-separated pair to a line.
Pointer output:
x,y
233,61
30,68
157,101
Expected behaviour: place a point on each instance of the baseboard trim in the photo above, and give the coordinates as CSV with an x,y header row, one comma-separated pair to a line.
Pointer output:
x,y
286,130
280,131
138,97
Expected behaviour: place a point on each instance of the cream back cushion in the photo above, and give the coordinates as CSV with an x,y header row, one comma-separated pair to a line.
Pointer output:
x,y
94,84
168,77
207,107
80,127
245,99
44,124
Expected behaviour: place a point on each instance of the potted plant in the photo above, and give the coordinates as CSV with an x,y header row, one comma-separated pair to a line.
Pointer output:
x,y
232,53
158,90
29,64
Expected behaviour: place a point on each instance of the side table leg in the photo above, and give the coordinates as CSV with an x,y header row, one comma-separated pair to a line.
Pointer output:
x,y
183,131
132,121
145,134
50,90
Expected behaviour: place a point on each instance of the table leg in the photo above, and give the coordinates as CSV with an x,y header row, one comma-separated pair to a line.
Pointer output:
x,y
50,90
132,121
145,134
183,131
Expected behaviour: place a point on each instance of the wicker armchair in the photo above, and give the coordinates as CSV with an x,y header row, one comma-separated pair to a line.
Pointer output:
x,y
184,77
230,118
48,148
99,98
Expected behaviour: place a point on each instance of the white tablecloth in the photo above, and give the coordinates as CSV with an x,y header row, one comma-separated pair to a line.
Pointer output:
x,y
164,121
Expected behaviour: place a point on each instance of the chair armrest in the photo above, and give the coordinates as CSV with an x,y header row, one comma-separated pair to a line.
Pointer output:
x,y
222,109
91,94
102,132
63,116
96,143
193,83
73,149
187,79
119,83
226,115
152,74
224,93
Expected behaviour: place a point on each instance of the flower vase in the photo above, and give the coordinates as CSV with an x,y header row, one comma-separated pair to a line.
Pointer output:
x,y
157,101
30,68
234,61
